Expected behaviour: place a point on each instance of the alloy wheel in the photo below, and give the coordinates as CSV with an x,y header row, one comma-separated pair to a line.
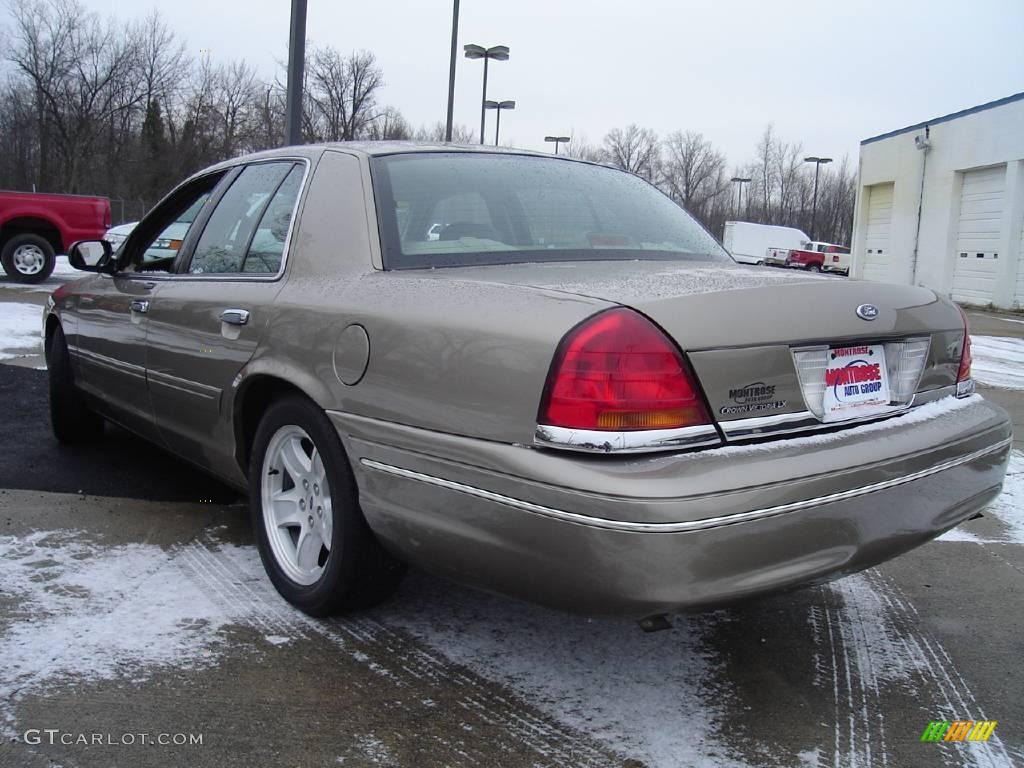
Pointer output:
x,y
297,508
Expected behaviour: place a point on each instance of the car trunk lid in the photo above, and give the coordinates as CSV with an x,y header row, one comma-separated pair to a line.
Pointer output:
x,y
760,339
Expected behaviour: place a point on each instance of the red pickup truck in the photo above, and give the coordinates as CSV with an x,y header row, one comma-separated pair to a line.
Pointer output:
x,y
35,227
821,257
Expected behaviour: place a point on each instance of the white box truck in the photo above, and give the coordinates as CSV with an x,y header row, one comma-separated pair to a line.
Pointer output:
x,y
751,243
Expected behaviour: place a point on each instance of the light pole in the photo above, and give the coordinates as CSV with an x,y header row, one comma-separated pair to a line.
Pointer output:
x,y
557,140
451,72
498,105
296,65
496,52
739,198
818,162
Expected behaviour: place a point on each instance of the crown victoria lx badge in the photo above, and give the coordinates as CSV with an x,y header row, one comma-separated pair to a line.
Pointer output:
x,y
867,311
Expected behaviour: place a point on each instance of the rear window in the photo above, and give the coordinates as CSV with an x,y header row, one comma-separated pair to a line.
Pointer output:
x,y
440,209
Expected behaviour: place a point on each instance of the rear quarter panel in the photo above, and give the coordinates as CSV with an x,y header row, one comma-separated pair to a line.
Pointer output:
x,y
463,357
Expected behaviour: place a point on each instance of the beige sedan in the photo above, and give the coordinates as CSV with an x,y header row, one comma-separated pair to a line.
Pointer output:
x,y
531,374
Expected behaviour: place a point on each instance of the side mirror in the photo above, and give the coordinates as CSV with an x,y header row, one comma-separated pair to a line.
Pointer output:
x,y
92,256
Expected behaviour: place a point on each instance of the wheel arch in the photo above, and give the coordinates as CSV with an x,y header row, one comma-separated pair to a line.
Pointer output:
x,y
32,225
49,331
252,398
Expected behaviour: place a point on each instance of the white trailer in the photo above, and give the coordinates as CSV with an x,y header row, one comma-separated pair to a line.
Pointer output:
x,y
751,243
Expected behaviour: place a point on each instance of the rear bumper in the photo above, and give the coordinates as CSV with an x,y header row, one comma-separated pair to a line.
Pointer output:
x,y
635,537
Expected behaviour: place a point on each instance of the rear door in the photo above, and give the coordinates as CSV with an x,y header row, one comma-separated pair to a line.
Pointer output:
x,y
211,314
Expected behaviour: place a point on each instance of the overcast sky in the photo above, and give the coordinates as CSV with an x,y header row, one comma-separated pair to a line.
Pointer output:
x,y
827,73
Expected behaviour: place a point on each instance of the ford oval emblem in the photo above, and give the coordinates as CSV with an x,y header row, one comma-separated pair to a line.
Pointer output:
x,y
867,311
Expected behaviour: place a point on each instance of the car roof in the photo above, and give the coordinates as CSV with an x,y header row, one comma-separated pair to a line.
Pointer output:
x,y
380,148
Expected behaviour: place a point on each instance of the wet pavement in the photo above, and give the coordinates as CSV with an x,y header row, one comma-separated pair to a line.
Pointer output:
x,y
131,608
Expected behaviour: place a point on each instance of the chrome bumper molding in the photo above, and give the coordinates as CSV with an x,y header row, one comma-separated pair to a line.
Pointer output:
x,y
640,441
805,421
688,525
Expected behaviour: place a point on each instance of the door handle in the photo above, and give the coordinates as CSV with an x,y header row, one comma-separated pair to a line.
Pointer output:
x,y
235,316
140,305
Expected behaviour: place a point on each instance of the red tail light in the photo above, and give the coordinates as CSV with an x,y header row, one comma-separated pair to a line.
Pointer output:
x,y
619,372
964,372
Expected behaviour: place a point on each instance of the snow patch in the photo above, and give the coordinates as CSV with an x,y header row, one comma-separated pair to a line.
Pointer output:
x,y
90,612
63,272
918,415
650,697
21,329
998,361
1008,508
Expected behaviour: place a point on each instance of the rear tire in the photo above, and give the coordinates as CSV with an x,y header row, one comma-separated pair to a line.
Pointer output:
x,y
813,268
71,420
28,258
302,490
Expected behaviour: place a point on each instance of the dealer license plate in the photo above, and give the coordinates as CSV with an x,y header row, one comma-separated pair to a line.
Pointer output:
x,y
856,382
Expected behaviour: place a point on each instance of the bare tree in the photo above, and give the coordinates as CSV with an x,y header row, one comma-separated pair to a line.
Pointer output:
x,y
765,174
633,149
342,93
389,125
234,99
693,171
436,132
581,149
80,70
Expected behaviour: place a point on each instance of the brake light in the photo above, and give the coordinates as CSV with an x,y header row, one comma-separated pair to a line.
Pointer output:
x,y
618,372
964,382
835,257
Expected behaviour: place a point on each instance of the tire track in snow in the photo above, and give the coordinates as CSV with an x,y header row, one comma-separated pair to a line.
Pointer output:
x,y
876,641
234,575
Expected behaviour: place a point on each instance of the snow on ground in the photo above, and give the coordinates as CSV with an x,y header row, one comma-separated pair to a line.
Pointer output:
x,y
998,361
875,642
90,612
20,330
650,697
86,611
63,272
1008,508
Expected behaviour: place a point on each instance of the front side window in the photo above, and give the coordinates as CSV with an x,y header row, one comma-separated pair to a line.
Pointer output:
x,y
233,225
458,209
155,242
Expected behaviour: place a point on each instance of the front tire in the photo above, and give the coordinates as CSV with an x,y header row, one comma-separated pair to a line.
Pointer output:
x,y
813,268
71,420
313,540
28,258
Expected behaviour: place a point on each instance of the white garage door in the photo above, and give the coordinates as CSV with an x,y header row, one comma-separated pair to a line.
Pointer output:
x,y
1019,296
876,240
977,242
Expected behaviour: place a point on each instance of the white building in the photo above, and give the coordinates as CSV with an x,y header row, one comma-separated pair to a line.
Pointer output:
x,y
941,204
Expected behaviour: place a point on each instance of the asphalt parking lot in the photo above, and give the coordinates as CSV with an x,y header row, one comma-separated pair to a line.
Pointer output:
x,y
132,602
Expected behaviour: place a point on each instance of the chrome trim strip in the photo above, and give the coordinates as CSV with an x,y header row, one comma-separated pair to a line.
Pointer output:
x,y
187,386
931,395
805,421
689,525
641,441
111,363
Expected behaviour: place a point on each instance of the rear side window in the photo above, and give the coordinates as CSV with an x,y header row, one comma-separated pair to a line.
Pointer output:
x,y
441,209
225,241
267,248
